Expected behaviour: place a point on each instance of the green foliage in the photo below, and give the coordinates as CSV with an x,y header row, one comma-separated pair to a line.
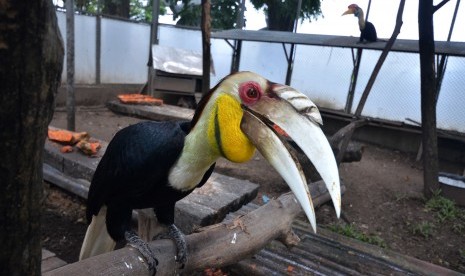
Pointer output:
x,y
351,232
444,208
142,10
424,229
310,8
223,13
138,10
281,14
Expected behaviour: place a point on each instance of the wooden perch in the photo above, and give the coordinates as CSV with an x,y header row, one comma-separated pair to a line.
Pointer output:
x,y
340,143
213,246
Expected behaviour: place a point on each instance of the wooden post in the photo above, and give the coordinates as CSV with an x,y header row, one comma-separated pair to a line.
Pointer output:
x,y
70,99
428,97
153,40
147,225
206,50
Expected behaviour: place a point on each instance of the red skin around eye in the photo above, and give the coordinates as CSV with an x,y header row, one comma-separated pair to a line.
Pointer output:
x,y
250,92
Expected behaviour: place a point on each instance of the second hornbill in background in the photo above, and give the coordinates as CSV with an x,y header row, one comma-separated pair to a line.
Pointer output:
x,y
367,29
155,164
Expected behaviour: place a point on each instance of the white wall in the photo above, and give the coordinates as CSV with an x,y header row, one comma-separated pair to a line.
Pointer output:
x,y
124,51
84,47
322,73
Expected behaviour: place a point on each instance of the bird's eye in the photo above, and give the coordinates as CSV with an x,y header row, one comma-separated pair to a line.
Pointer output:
x,y
250,92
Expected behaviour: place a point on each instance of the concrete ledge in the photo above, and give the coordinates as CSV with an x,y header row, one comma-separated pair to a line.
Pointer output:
x,y
50,261
96,94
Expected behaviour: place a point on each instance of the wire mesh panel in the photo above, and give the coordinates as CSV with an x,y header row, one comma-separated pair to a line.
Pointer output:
x,y
451,101
395,94
323,74
267,59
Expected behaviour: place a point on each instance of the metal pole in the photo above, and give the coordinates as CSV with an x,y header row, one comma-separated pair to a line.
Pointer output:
x,y
353,80
290,61
70,99
153,40
206,46
98,43
368,10
443,62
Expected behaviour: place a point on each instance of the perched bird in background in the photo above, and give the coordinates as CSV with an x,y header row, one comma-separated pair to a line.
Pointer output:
x,y
367,29
155,164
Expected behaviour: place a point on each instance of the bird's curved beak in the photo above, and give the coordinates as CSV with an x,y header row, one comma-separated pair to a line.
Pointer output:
x,y
299,118
349,11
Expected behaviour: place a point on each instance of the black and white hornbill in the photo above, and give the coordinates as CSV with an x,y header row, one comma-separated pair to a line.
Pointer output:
x,y
155,164
367,29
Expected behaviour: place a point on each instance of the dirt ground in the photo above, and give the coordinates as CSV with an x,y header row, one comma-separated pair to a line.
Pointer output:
x,y
383,203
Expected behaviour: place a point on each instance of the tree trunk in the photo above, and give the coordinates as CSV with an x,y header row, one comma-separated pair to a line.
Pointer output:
x,y
428,97
31,54
118,8
277,20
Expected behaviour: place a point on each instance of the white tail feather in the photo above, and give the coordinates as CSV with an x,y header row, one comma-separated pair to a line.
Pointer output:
x,y
97,240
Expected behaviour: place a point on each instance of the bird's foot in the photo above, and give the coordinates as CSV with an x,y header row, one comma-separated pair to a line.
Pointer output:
x,y
135,241
179,239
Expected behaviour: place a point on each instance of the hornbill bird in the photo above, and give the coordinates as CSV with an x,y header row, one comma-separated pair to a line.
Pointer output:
x,y
367,29
155,164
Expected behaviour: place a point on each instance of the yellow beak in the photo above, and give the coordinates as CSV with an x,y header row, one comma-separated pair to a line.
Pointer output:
x,y
349,11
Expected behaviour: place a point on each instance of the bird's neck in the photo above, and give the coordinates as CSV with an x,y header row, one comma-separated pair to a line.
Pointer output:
x,y
216,134
196,158
361,19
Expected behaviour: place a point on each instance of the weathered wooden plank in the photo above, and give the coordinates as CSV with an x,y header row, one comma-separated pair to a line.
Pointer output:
x,y
47,254
76,186
328,253
156,113
50,261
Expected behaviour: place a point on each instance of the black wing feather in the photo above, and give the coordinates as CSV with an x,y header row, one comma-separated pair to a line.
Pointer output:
x,y
369,33
136,165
